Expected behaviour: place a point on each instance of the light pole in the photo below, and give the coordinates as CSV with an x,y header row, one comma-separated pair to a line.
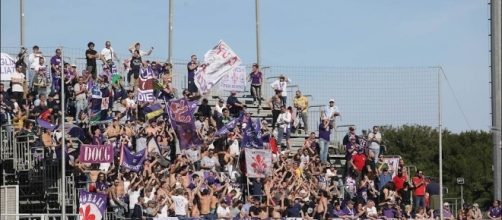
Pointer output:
x,y
257,21
170,42
460,181
21,22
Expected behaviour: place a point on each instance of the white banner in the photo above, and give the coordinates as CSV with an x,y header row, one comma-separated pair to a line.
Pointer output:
x,y
258,163
393,163
217,62
235,80
8,66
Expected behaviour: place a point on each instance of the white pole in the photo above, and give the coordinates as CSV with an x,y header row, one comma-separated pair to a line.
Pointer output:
x,y
170,42
21,22
257,22
440,145
63,142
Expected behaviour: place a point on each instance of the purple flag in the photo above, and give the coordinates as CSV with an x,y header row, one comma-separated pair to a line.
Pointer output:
x,y
91,205
133,162
181,116
252,134
96,153
45,124
229,126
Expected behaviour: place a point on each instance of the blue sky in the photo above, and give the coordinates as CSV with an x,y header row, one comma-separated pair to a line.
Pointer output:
x,y
451,33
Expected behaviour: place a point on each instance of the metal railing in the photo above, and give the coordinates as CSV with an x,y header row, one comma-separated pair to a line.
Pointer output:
x,y
6,143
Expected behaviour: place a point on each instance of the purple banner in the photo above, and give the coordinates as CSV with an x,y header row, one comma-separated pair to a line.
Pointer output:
x,y
92,206
181,115
96,153
133,162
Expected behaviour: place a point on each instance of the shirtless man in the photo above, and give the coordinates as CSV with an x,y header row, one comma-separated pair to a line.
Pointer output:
x,y
322,207
205,201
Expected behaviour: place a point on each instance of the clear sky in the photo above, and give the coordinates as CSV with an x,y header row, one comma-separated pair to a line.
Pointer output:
x,y
451,33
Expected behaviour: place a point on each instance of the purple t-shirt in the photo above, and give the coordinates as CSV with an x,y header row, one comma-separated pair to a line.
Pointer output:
x,y
389,213
324,133
495,212
191,73
56,60
256,78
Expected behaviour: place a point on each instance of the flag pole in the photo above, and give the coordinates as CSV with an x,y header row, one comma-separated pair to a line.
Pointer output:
x,y
63,142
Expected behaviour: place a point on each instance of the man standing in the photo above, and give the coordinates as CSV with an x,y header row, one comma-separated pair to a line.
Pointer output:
x,y
331,111
283,122
80,90
90,57
374,139
18,81
33,62
324,139
419,190
108,54
301,104
282,86
192,68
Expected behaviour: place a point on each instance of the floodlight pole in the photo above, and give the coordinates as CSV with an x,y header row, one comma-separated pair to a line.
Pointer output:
x,y
496,94
440,130
170,42
21,22
257,22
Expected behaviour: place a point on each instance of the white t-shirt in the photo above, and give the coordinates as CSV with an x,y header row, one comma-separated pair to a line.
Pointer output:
x,y
34,60
371,211
17,87
133,197
209,162
192,155
223,212
107,53
180,203
234,148
283,86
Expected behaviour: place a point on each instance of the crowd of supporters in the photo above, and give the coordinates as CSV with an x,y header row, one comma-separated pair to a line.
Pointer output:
x,y
207,181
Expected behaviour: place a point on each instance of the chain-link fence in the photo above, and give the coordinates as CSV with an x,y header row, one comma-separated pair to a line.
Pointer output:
x,y
366,96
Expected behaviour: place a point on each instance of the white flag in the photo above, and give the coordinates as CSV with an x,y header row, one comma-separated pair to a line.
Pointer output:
x,y
8,67
217,62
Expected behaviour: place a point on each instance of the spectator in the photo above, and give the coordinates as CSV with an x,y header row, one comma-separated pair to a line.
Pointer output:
x,y
374,140
475,212
137,47
301,104
284,126
91,56
234,105
256,79
419,186
275,104
281,86
18,82
495,211
331,111
351,133
399,180
108,55
192,68
447,214
324,139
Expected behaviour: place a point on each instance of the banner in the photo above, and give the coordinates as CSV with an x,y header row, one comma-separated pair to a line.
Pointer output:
x,y
92,206
218,61
8,66
235,80
393,163
153,111
133,162
252,134
181,116
258,163
96,153
145,89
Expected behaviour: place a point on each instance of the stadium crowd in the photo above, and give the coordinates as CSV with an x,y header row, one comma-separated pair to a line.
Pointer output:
x,y
208,181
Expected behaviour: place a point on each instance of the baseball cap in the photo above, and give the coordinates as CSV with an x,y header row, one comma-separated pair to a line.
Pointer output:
x,y
332,100
446,204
